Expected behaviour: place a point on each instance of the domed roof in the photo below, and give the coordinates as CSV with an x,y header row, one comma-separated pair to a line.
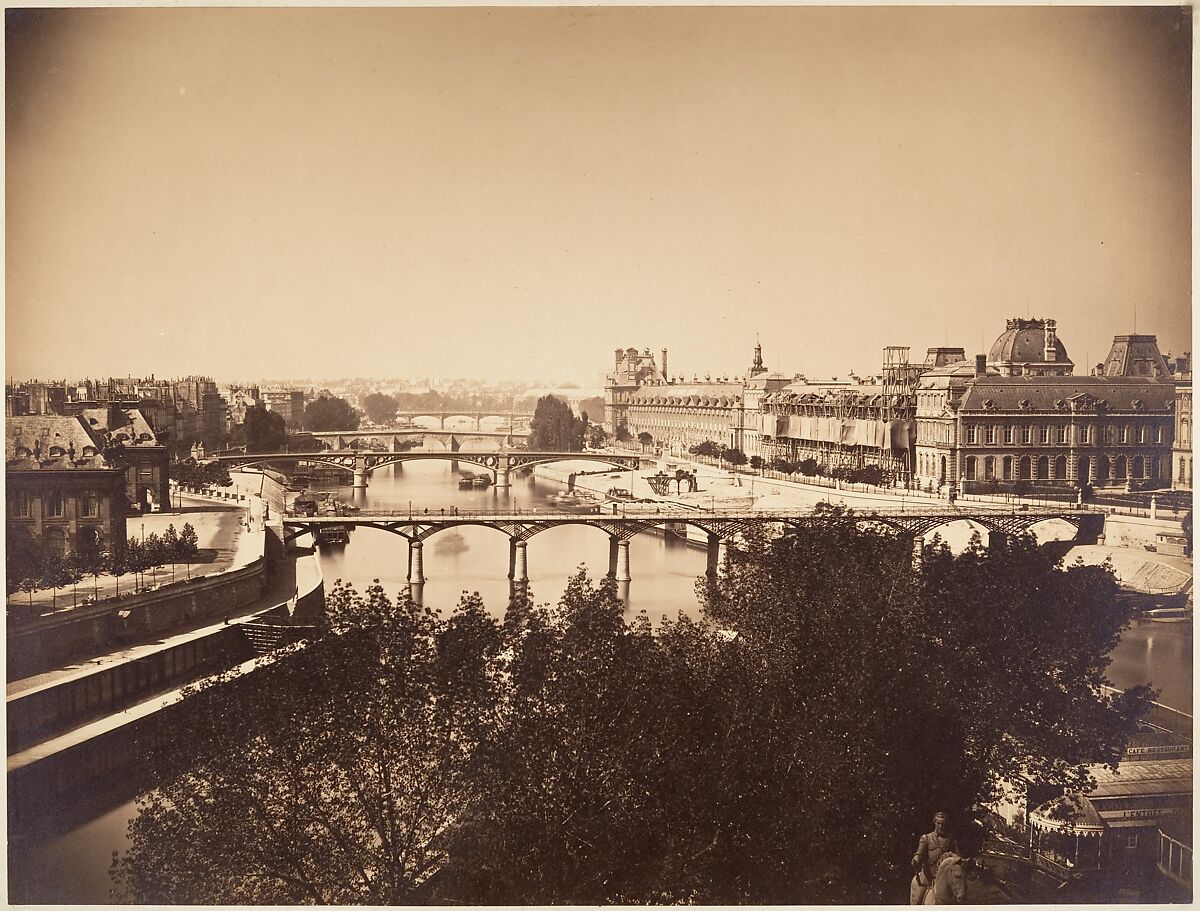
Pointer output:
x,y
1024,342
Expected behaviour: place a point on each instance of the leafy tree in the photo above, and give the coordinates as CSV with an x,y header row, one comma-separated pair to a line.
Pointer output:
x,y
733,456
757,462
216,474
265,430
22,558
645,438
555,428
189,546
809,467
170,548
947,680
56,573
380,407
330,414
89,559
623,434
331,775
303,442
1186,522
597,436
117,562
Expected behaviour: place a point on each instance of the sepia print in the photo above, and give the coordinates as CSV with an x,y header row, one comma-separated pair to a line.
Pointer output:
x,y
611,455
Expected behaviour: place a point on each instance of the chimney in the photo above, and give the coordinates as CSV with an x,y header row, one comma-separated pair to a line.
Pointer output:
x,y
664,366
1051,354
981,365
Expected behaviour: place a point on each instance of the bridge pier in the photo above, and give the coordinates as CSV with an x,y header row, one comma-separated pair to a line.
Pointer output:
x,y
416,563
918,552
997,539
520,563
360,479
714,555
442,418
613,543
502,481
623,561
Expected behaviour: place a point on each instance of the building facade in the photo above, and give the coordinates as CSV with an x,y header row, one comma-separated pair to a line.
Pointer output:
x,y
1014,421
131,441
1181,452
60,487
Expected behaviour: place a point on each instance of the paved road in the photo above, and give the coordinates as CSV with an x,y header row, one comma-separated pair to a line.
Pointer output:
x,y
218,528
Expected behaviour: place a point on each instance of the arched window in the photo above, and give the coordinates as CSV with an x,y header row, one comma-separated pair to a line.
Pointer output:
x,y
1007,466
942,471
989,468
1138,467
1120,472
1083,469
970,472
1023,471
1043,468
1103,469
1060,468
54,539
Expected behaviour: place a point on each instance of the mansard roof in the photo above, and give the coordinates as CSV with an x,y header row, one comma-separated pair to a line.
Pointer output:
x,y
1045,393
51,441
127,426
711,394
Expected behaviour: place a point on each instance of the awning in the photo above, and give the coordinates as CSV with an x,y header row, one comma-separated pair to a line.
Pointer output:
x,y
1071,814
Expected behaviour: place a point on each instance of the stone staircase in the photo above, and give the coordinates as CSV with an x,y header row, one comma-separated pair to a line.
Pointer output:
x,y
265,638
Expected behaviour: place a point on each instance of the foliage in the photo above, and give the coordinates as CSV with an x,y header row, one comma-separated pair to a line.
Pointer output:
x,y
757,462
265,430
1186,522
22,557
568,756
380,407
809,467
733,456
597,436
708,448
330,413
303,442
908,690
623,434
191,473
336,774
645,438
554,427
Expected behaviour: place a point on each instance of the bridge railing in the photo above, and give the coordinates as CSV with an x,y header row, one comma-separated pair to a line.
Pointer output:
x,y
642,510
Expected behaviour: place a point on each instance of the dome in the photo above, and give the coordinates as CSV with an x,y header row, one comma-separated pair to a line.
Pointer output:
x,y
1024,342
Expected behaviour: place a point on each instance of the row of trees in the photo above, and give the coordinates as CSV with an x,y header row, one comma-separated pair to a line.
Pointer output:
x,y
786,747
29,567
731,455
191,473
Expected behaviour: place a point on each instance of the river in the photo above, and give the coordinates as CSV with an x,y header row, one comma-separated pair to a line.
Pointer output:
x,y
70,864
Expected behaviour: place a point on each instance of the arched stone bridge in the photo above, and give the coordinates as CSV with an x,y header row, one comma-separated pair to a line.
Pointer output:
x,y
721,526
362,462
340,439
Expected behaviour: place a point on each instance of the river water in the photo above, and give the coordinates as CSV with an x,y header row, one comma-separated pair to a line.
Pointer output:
x,y
71,864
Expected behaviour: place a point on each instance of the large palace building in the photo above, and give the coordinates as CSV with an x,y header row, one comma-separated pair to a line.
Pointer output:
x,y
1016,417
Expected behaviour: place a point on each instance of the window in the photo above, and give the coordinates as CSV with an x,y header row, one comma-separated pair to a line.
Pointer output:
x,y
91,505
970,433
989,468
1141,433
1062,433
971,468
1008,434
1131,841
1158,433
1124,433
54,504
1085,434
1046,434
1026,434
1008,468
990,434
18,503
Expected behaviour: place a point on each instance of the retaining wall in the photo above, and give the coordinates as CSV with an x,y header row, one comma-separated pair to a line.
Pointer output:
x,y
1135,531
39,644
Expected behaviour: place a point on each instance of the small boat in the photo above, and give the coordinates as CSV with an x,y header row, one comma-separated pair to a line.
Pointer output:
x,y
481,480
332,536
619,493
450,542
1168,614
305,506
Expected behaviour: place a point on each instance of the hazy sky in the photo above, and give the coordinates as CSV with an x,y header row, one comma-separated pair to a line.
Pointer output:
x,y
516,192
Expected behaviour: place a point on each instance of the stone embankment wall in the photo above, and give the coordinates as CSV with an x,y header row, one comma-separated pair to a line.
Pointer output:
x,y
39,644
102,722
1135,531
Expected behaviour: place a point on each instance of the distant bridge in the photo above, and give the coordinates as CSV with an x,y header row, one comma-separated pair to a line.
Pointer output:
x,y
721,525
477,416
361,462
338,439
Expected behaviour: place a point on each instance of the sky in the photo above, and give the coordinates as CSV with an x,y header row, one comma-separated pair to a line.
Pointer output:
x,y
513,193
